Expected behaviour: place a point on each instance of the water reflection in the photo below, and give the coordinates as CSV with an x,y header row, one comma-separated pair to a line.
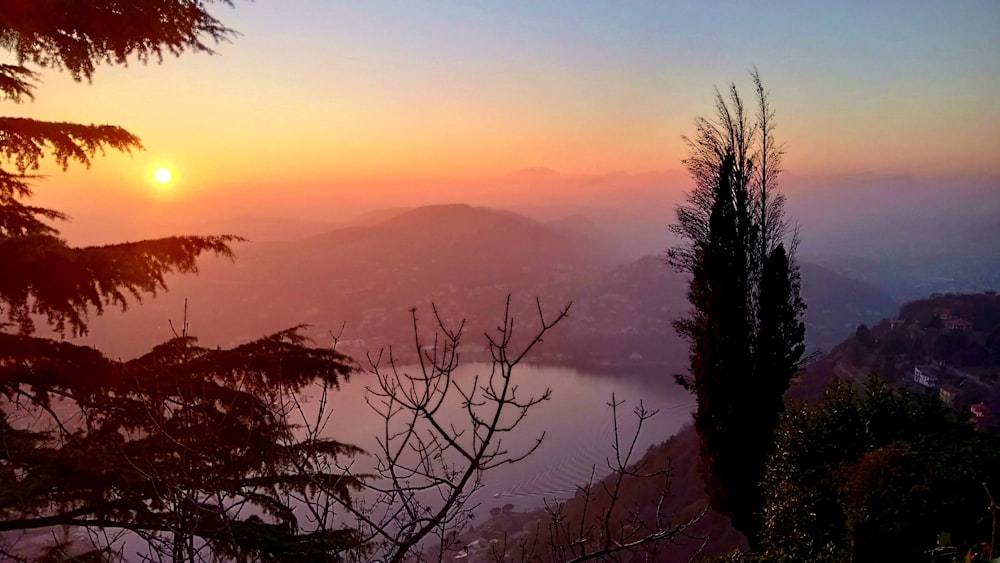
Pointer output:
x,y
577,422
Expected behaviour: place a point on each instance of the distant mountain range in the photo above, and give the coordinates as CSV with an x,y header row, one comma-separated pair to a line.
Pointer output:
x,y
361,282
910,236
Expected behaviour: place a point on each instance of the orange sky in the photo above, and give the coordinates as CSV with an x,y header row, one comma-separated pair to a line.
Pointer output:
x,y
339,100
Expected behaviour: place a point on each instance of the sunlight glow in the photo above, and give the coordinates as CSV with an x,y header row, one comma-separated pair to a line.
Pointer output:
x,y
163,176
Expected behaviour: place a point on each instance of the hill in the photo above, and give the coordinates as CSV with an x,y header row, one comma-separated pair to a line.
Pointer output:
x,y
837,304
365,278
623,321
957,337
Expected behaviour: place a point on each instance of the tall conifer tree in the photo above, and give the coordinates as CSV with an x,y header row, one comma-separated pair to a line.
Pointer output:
x,y
745,324
187,448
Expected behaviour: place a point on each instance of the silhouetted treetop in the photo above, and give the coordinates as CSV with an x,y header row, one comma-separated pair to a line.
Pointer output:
x,y
63,283
25,142
42,274
77,36
744,327
283,358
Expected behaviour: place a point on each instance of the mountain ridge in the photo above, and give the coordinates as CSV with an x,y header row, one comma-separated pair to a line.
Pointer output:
x,y
466,260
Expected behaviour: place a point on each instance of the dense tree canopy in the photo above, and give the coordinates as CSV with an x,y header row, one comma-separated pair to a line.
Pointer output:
x,y
876,476
186,447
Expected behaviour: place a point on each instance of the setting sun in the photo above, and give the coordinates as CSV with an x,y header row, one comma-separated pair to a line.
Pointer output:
x,y
163,176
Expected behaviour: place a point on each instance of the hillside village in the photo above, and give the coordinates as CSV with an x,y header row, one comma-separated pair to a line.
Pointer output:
x,y
948,345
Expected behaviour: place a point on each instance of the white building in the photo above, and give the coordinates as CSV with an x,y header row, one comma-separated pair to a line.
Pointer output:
x,y
926,375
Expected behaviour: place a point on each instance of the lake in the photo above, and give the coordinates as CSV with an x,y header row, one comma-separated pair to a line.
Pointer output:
x,y
577,422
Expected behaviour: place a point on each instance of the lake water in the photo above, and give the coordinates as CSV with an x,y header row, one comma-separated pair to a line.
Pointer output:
x,y
577,422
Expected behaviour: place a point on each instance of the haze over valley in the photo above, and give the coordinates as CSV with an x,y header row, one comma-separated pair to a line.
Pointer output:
x,y
867,244
488,281
360,282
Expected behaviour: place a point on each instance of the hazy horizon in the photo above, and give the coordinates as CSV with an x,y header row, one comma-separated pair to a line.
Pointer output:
x,y
324,111
572,114
634,209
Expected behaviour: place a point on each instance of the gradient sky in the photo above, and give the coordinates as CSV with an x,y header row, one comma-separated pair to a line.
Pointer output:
x,y
319,94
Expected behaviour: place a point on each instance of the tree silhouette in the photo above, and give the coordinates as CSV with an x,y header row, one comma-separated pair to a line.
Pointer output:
x,y
185,447
42,274
78,36
190,449
744,327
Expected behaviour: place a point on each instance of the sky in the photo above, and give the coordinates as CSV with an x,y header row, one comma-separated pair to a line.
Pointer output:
x,y
343,98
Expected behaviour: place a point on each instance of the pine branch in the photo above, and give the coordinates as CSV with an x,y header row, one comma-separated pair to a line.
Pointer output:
x,y
14,82
18,220
77,36
45,276
24,142
145,444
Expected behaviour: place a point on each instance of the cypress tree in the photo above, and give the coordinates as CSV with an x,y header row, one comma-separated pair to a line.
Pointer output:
x,y
744,326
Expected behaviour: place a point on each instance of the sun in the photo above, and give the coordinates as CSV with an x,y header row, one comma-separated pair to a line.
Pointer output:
x,y
163,176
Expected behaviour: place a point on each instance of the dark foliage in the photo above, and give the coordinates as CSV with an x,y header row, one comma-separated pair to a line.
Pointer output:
x,y
875,477
188,448
77,36
42,275
744,328
45,276
720,358
184,442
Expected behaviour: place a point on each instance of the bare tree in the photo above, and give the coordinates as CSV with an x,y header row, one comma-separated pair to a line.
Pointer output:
x,y
427,466
604,521
442,431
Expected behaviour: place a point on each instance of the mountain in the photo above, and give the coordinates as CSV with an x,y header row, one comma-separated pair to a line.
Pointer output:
x,y
910,237
366,279
377,216
624,320
360,283
837,304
